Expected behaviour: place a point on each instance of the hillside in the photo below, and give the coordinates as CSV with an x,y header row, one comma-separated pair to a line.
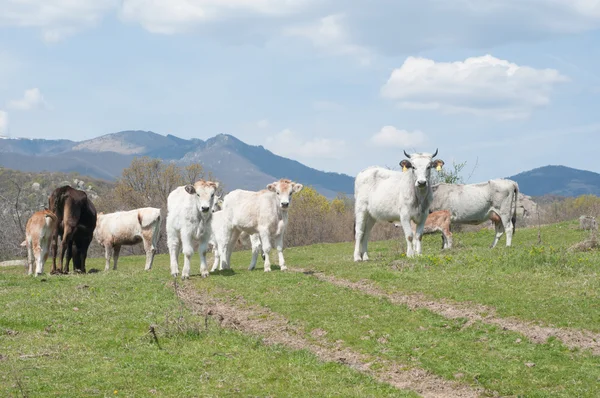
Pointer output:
x,y
235,163
558,181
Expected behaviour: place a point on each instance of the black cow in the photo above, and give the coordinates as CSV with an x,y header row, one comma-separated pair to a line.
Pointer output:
x,y
76,222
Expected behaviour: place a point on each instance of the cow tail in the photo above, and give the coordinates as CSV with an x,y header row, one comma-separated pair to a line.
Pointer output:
x,y
514,215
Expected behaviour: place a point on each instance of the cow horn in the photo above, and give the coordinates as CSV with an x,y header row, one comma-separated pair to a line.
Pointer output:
x,y
406,154
436,151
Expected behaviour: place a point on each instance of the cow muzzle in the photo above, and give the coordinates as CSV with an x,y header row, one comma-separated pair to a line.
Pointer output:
x,y
285,205
205,209
421,183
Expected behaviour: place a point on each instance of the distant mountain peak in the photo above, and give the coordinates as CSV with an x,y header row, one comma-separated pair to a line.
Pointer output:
x,y
558,180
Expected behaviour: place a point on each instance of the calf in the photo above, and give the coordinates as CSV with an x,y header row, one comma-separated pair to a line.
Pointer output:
x,y
388,195
38,236
437,221
189,224
76,221
262,215
128,228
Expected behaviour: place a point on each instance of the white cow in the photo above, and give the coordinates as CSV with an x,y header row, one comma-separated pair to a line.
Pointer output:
x,y
494,200
387,195
126,228
38,236
263,215
189,224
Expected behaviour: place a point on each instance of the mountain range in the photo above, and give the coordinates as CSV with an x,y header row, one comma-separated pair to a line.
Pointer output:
x,y
235,163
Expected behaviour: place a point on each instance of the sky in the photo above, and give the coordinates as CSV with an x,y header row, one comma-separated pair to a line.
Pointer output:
x,y
339,85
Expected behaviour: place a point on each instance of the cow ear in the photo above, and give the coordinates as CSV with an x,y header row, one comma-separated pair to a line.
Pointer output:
x,y
297,188
438,163
271,187
190,189
405,165
216,186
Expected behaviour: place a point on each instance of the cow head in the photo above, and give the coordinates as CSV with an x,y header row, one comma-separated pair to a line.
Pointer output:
x,y
420,164
218,203
284,189
205,192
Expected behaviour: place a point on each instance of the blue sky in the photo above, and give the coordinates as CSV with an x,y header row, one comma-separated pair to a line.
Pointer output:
x,y
505,85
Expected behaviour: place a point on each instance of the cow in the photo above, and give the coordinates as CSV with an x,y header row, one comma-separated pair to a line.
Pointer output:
x,y
38,236
76,221
495,200
388,195
189,224
126,228
436,221
263,215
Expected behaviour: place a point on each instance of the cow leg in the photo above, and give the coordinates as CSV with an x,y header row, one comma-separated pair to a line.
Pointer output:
x,y
266,246
359,231
256,248
279,244
508,228
419,237
216,261
369,223
408,234
41,259
230,244
174,243
188,251
54,244
69,255
499,233
444,241
108,249
116,256
30,258
203,266
448,236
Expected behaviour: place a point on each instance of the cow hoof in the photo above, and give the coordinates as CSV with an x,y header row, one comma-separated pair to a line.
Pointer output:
x,y
283,268
184,277
204,274
175,274
267,269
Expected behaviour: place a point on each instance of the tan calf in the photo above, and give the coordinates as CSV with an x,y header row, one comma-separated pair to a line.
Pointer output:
x,y
38,236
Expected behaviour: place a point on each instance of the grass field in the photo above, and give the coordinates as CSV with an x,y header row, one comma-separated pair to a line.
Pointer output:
x,y
90,335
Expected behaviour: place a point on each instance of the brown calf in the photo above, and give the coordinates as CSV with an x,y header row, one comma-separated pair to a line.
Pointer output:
x,y
38,235
76,220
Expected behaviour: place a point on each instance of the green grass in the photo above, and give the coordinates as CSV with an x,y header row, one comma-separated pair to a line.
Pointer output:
x,y
61,338
543,283
104,345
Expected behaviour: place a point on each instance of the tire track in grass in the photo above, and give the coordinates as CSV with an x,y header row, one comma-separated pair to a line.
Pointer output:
x,y
472,312
273,328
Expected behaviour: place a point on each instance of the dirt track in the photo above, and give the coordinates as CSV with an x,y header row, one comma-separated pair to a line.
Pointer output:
x,y
472,312
275,329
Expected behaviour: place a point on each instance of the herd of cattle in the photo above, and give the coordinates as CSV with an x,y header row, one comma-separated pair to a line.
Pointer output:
x,y
198,218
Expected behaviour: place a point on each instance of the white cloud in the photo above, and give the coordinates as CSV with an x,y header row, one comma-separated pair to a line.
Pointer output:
x,y
32,99
3,122
481,85
56,18
176,16
330,34
390,136
263,124
289,144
